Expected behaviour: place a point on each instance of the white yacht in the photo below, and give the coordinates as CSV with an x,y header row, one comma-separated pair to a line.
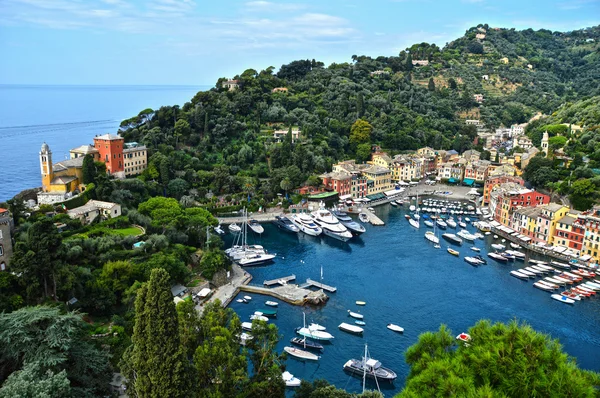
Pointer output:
x,y
348,222
305,223
331,226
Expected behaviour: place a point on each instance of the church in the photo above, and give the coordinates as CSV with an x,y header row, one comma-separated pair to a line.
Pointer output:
x,y
59,180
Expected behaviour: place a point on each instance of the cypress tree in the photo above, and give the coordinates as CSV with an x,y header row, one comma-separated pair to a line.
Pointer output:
x,y
431,84
360,105
155,363
88,170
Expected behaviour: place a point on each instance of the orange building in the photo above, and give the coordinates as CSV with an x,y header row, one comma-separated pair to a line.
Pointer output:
x,y
110,148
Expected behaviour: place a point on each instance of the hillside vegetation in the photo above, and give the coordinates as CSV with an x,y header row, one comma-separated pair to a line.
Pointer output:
x,y
224,138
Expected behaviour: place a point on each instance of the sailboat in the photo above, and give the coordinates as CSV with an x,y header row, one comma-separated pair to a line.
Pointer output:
x,y
371,368
432,237
248,255
414,222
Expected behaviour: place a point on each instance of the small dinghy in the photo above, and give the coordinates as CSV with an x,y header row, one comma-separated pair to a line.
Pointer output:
x,y
453,252
464,337
269,313
394,203
234,228
562,299
258,316
247,298
475,249
290,380
514,245
346,327
361,303
271,303
355,315
316,326
472,261
395,328
218,229
498,246
360,323
363,217
241,301
301,354
498,257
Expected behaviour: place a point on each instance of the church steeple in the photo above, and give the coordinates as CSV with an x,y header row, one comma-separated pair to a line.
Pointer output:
x,y
545,143
46,167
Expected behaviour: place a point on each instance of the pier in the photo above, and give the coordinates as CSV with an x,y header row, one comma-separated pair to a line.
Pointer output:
x,y
311,283
280,281
291,294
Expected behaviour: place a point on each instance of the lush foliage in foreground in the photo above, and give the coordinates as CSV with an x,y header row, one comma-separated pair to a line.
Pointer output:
x,y
501,360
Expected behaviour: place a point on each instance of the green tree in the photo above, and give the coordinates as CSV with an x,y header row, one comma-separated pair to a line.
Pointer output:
x,y
189,326
155,363
431,84
583,194
266,362
39,259
286,185
363,152
557,142
212,261
360,105
162,211
117,276
221,366
360,133
41,344
88,169
182,128
33,382
490,363
452,84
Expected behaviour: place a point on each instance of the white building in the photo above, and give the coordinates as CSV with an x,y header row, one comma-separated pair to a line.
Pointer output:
x,y
93,209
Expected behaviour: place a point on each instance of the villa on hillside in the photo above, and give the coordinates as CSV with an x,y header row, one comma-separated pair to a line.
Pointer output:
x,y
94,209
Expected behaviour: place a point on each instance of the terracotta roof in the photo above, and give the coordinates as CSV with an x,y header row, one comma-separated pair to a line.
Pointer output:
x,y
85,149
62,180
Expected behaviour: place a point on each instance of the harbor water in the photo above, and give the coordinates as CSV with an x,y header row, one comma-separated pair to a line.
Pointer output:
x,y
406,281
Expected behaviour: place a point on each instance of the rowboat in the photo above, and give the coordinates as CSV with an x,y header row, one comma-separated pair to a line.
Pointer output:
x,y
360,323
528,273
247,298
475,249
355,315
552,285
562,299
301,354
241,301
453,252
346,327
395,328
271,303
570,295
361,303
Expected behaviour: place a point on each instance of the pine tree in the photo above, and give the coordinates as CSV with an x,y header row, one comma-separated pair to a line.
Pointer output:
x,y
154,363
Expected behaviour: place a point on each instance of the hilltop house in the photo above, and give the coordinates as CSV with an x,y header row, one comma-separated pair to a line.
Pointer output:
x,y
231,84
94,209
6,248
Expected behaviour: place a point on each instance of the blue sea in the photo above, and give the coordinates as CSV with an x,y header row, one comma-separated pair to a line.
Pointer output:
x,y
404,280
66,117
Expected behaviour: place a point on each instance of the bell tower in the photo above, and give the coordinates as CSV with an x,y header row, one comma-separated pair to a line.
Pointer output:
x,y
545,143
46,167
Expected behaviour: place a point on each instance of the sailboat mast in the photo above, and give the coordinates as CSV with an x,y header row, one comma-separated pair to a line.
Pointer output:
x,y
304,325
365,369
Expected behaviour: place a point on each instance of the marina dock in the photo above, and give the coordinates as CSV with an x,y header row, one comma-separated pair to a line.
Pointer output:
x,y
280,281
291,294
311,283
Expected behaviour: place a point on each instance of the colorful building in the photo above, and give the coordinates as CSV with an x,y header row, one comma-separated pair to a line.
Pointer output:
x,y
525,221
569,232
110,151
6,248
135,158
380,179
591,240
506,198
59,180
359,186
340,182
546,223
492,182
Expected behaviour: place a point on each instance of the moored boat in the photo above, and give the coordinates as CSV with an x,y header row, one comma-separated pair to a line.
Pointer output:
x,y
285,224
349,223
330,225
452,238
498,257
562,299
301,354
355,315
306,344
475,249
315,334
519,275
346,327
271,303
473,261
255,226
290,380
453,252
363,217
395,328
306,224
369,368
234,228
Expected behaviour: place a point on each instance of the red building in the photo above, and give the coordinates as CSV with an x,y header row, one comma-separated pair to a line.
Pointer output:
x,y
110,148
339,182
569,232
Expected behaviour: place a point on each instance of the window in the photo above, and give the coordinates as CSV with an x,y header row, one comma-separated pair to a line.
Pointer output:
x,y
2,266
0,234
1,250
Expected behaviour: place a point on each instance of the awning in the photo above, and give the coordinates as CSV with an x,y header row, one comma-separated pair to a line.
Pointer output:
x,y
469,181
344,197
585,258
452,180
376,196
204,292
559,249
402,183
393,192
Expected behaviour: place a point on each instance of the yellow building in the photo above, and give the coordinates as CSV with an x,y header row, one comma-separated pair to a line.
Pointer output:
x,y
58,179
379,179
546,222
381,159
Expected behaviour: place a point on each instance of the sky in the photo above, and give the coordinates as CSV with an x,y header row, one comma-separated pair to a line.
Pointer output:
x,y
194,42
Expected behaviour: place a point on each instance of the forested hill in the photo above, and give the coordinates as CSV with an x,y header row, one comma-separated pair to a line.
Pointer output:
x,y
228,134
